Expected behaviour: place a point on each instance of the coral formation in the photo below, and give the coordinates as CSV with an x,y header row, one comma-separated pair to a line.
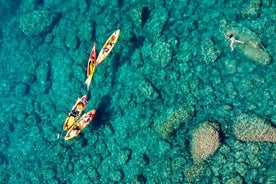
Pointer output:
x,y
252,9
250,127
168,124
195,171
161,54
147,90
205,141
209,51
38,22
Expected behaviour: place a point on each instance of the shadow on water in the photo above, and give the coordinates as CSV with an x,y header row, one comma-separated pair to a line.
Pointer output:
x,y
115,67
120,59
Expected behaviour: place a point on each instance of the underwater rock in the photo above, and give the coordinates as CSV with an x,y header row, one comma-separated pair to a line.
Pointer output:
x,y
205,141
52,4
170,123
230,66
209,51
250,127
38,22
28,5
139,179
252,10
156,20
267,4
85,31
161,53
235,180
28,78
49,174
21,89
32,119
29,106
93,173
195,171
43,72
83,6
147,90
124,156
252,47
135,14
135,59
71,42
116,175
256,51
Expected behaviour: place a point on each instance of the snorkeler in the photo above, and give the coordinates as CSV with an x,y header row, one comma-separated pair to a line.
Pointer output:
x,y
233,40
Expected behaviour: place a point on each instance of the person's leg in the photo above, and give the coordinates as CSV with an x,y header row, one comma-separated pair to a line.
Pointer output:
x,y
232,46
242,42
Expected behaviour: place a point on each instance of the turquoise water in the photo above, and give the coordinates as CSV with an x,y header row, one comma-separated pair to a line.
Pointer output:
x,y
171,71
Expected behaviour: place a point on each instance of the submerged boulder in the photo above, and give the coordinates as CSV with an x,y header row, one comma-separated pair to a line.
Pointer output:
x,y
205,141
253,128
209,51
252,9
38,22
147,90
161,54
168,124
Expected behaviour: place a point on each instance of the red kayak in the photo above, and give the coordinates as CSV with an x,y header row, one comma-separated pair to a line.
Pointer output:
x,y
91,65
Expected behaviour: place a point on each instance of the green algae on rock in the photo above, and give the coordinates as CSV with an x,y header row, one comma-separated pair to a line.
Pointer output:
x,y
250,127
170,123
37,22
205,141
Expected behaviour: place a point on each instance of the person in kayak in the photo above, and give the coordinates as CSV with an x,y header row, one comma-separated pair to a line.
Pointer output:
x,y
79,107
73,132
75,112
233,40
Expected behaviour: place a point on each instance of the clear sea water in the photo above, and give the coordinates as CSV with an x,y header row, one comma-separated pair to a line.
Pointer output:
x,y
172,57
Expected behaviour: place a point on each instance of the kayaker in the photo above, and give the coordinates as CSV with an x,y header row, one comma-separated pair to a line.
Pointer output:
x,y
76,111
76,129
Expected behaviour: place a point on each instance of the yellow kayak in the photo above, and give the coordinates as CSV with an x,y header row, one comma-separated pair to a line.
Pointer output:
x,y
75,112
91,65
108,46
80,125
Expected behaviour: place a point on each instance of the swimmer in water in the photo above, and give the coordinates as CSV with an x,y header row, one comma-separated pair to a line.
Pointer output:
x,y
233,40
